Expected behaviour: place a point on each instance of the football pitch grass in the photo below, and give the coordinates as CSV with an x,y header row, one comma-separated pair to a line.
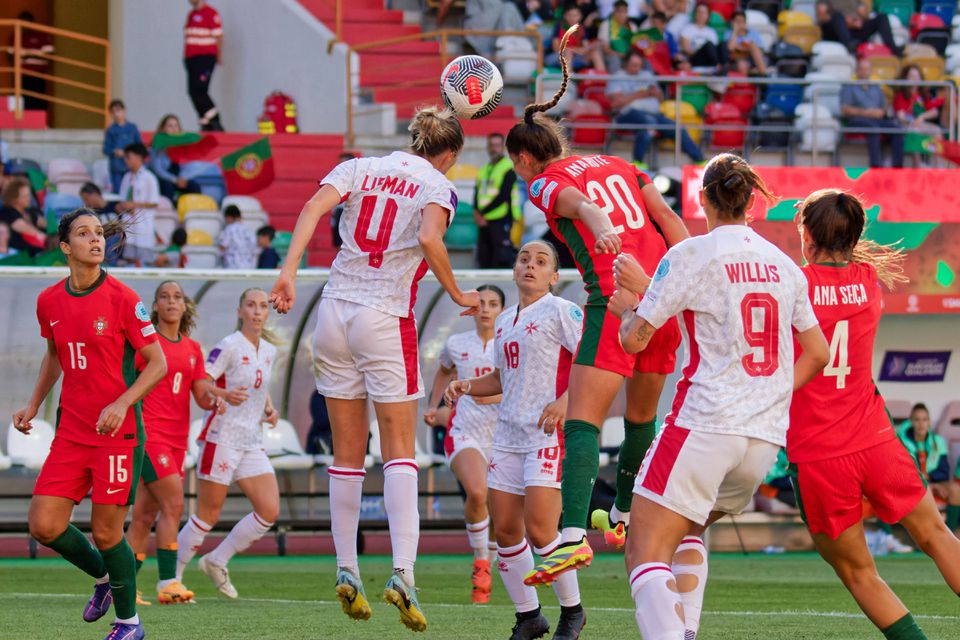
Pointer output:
x,y
785,597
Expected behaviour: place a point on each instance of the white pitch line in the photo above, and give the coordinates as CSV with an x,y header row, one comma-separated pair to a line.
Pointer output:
x,y
450,605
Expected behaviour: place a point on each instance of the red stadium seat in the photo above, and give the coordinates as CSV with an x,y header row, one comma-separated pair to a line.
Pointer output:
x,y
584,85
724,113
723,7
598,95
742,96
589,136
921,21
872,49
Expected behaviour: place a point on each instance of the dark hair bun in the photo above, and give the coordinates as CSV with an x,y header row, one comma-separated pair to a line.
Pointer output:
x,y
734,181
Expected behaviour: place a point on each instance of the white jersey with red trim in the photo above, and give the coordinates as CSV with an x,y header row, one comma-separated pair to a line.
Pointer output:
x,y
533,349
235,362
739,298
380,262
472,359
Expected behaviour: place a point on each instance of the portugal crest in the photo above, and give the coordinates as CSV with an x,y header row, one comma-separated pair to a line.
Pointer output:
x,y
100,325
249,166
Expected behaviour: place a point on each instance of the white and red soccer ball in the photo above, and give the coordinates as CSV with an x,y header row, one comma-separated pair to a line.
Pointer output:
x,y
471,86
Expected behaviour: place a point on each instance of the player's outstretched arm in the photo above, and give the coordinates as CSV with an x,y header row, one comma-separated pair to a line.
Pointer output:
x,y
204,394
441,381
660,212
573,205
284,292
49,373
815,356
483,387
113,415
432,227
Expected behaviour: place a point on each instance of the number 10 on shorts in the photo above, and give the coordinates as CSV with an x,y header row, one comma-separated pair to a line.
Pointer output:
x,y
118,472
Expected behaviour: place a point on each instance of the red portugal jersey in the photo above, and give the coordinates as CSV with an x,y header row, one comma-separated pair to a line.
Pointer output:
x,y
614,185
97,334
166,409
201,32
841,411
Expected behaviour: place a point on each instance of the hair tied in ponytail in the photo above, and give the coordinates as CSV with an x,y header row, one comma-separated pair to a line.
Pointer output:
x,y
733,181
537,107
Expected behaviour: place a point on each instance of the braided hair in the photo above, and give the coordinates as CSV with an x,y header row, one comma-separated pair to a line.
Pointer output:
x,y
539,135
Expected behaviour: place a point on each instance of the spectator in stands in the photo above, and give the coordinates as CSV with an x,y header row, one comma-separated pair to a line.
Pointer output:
x,y
236,241
850,23
699,42
338,210
918,108
636,9
865,107
141,195
93,199
5,249
33,43
118,135
615,35
167,171
172,257
268,258
776,493
744,43
580,52
496,205
931,454
485,15
202,43
676,12
27,224
636,96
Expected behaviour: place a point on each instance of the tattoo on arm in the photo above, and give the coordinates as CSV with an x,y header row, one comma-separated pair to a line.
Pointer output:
x,y
643,331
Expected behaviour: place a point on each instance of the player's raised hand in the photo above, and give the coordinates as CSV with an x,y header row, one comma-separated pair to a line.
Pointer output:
x,y
22,418
553,415
283,294
470,300
629,275
456,389
622,301
236,396
608,242
112,417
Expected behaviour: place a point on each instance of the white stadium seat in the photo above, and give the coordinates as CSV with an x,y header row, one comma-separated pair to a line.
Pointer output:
x,y
30,449
284,449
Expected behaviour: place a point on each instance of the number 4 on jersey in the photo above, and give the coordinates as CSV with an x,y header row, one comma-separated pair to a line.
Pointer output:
x,y
837,368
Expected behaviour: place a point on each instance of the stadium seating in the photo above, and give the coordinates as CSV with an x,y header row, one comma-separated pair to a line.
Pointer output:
x,y
67,169
57,205
948,427
902,9
165,222
195,202
586,135
761,24
787,19
208,176
283,447
100,174
688,119
200,257
899,410
803,36
817,128
823,89
192,459
516,58
721,113
29,450
208,222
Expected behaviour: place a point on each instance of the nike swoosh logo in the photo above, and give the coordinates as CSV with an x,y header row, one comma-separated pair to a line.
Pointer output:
x,y
110,492
53,322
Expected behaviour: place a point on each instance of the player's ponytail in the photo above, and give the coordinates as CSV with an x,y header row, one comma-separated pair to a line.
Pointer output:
x,y
434,131
728,183
266,333
540,136
188,321
114,228
835,221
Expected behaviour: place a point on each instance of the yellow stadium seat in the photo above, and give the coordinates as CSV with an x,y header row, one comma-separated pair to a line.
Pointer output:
x,y
462,172
918,50
930,66
199,237
803,36
195,202
884,67
787,19
688,118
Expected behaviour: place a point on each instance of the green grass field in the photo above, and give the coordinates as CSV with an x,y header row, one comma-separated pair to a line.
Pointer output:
x,y
788,597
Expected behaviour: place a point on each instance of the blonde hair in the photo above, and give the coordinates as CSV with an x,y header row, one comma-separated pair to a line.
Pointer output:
x,y
266,332
434,131
835,220
540,136
188,322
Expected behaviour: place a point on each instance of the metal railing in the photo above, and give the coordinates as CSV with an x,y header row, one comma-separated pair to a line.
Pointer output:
x,y
949,132
101,93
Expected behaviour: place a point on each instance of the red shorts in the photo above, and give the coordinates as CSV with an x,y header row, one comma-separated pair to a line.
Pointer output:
x,y
830,492
72,470
161,461
600,346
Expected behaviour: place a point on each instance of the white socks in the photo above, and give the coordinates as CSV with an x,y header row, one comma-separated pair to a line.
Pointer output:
x,y
188,542
400,497
479,535
659,609
690,569
346,491
572,534
250,529
566,586
515,563
619,516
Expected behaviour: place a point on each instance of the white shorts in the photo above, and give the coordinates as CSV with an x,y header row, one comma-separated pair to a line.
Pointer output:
x,y
224,464
457,441
360,352
514,471
694,473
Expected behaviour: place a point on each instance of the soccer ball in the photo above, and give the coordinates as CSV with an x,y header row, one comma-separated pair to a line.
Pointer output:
x,y
472,86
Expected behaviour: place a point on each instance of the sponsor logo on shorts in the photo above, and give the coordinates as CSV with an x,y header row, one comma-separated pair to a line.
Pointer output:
x,y
547,468
662,269
110,492
141,312
223,467
547,192
536,187
163,460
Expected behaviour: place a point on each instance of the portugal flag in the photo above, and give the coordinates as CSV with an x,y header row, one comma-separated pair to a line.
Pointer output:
x,y
184,147
248,169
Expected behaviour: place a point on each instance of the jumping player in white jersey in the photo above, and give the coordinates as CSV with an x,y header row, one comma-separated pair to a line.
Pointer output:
x,y
231,445
534,345
740,300
470,434
396,210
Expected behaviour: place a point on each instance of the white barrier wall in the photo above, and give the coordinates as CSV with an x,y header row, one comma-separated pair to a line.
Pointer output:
x,y
268,45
